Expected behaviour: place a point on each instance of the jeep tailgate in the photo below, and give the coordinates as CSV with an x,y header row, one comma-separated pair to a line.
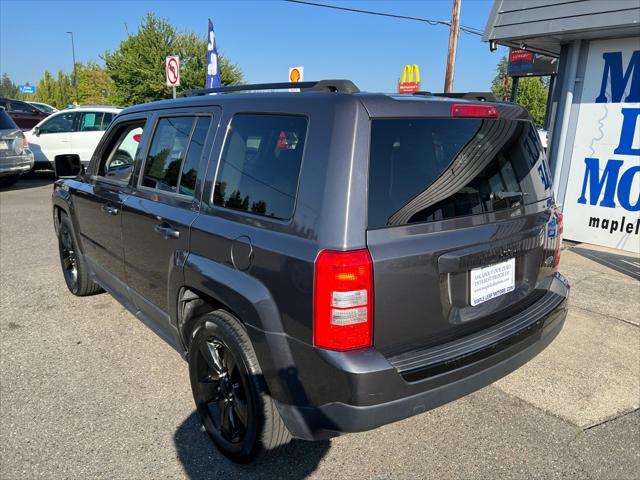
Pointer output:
x,y
461,226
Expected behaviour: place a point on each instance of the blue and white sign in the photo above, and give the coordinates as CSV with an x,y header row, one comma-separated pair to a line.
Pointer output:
x,y
213,73
27,89
602,203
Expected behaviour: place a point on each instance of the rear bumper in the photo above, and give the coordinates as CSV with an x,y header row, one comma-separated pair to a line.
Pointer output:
x,y
16,164
361,390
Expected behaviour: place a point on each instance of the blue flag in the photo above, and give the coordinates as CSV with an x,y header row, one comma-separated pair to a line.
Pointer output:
x,y
213,73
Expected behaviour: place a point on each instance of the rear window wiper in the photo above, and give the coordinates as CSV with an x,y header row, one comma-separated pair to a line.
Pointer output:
x,y
500,195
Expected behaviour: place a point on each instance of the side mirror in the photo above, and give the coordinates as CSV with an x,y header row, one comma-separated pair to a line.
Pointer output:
x,y
68,166
36,131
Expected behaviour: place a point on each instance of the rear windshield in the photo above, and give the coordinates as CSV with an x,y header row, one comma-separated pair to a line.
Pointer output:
x,y
6,123
424,170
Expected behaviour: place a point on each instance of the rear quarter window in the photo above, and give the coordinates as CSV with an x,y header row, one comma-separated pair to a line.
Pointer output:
x,y
260,164
430,169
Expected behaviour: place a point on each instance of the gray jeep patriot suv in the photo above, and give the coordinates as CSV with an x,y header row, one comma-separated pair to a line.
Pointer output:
x,y
327,261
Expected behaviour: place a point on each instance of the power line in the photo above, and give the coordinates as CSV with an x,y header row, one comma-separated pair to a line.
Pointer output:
x,y
463,28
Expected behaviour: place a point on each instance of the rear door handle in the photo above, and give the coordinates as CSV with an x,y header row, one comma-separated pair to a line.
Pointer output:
x,y
109,210
167,231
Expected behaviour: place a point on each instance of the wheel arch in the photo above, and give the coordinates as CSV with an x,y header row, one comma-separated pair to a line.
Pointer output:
x,y
213,285
61,202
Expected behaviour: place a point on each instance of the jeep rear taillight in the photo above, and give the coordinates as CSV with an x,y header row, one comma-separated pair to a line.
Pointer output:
x,y
559,229
343,300
25,143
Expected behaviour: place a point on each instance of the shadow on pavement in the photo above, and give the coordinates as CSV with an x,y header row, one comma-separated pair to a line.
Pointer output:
x,y
35,179
625,264
201,460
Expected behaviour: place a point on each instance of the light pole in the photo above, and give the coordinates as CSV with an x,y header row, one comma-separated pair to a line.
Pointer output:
x,y
75,76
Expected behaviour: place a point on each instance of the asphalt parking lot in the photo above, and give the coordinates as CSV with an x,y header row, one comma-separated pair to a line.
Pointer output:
x,y
87,391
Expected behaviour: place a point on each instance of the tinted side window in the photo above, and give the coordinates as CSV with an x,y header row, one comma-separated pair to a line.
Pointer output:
x,y
190,167
22,107
260,164
95,121
106,120
163,166
62,123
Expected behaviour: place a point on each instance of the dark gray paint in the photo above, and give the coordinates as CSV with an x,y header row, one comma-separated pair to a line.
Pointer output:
x,y
270,286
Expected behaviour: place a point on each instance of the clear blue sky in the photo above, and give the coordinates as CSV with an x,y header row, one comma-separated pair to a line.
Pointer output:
x,y
264,38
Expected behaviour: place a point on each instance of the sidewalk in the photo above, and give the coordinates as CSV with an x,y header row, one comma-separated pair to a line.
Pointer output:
x,y
591,373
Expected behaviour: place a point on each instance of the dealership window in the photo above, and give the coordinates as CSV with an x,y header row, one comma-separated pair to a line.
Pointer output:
x,y
260,164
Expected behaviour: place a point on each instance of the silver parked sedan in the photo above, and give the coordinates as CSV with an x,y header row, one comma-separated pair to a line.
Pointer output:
x,y
15,156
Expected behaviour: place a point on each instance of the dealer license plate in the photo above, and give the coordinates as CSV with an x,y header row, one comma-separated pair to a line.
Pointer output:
x,y
493,281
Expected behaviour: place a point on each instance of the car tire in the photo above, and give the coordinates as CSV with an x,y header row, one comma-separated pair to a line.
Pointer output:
x,y
8,180
74,267
230,392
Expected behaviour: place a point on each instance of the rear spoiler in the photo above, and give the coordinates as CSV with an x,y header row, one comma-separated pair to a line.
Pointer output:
x,y
477,96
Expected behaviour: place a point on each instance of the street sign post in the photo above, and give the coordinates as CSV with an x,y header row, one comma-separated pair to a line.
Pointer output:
x,y
27,89
407,82
172,71
296,74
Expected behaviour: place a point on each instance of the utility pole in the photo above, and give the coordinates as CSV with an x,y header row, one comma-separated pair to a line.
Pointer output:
x,y
75,75
453,45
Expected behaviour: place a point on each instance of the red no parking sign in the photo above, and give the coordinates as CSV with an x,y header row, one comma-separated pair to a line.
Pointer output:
x,y
172,69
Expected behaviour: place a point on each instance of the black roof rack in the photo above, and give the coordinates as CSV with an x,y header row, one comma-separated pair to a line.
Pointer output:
x,y
339,86
479,96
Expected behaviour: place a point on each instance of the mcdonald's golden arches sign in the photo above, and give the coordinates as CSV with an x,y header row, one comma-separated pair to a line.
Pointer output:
x,y
410,79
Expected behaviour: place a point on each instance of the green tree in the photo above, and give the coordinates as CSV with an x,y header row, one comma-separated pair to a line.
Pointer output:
x,y
95,86
64,91
532,91
8,89
46,89
137,66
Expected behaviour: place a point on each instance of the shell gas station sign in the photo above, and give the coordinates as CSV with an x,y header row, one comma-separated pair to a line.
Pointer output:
x,y
410,79
296,74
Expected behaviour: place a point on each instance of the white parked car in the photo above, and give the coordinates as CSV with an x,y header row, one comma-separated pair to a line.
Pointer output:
x,y
75,131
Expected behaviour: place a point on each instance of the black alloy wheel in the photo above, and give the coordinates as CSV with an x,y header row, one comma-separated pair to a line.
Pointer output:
x,y
230,391
74,267
68,258
222,394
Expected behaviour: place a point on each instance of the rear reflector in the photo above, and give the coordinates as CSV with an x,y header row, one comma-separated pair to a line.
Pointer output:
x,y
472,110
559,229
343,300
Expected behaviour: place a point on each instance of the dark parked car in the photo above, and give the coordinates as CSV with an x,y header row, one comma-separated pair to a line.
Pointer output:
x,y
15,156
25,115
327,261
